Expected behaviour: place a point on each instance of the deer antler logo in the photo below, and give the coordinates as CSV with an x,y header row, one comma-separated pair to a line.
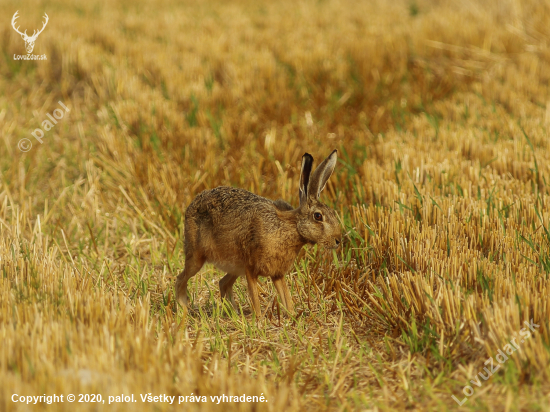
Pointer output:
x,y
29,40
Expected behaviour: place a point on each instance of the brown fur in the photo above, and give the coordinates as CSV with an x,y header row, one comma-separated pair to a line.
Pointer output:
x,y
248,235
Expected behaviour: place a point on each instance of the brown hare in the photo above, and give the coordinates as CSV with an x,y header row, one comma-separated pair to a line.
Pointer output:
x,y
248,235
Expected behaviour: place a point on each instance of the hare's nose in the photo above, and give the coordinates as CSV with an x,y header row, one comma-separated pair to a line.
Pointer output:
x,y
337,242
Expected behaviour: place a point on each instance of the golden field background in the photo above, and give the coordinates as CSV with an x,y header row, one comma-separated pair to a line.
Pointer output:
x,y
440,112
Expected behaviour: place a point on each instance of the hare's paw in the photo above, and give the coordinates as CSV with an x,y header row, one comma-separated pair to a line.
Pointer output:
x,y
181,293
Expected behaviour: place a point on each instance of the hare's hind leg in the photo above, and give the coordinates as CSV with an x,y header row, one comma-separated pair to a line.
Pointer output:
x,y
193,264
226,288
252,282
284,293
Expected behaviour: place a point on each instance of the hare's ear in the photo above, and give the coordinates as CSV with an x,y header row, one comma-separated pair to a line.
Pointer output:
x,y
307,164
321,174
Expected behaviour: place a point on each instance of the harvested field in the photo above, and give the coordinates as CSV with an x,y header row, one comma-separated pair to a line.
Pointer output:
x,y
440,111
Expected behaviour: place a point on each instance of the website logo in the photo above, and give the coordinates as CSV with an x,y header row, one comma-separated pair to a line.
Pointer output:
x,y
29,40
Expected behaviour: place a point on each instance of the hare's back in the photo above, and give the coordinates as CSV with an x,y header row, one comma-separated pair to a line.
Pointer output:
x,y
229,211
223,200
226,224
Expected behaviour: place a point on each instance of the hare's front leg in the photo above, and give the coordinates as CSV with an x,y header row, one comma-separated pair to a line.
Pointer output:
x,y
284,293
193,263
252,282
226,288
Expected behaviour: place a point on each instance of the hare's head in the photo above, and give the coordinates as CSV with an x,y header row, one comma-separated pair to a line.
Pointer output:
x,y
316,221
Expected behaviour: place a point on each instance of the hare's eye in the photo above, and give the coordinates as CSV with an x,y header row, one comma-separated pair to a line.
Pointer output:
x,y
318,216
